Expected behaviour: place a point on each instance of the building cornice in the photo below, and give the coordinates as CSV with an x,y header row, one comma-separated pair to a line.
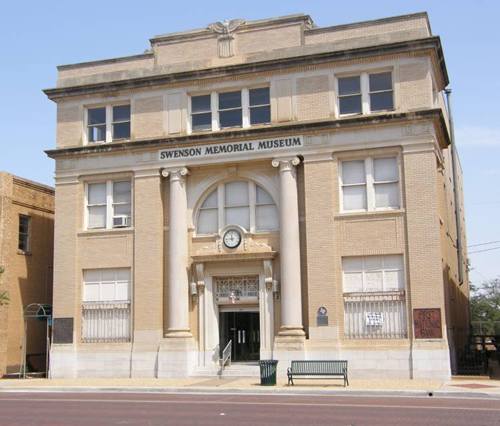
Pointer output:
x,y
428,43
304,128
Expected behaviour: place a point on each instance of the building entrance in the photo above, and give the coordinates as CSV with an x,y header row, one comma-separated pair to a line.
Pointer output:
x,y
243,329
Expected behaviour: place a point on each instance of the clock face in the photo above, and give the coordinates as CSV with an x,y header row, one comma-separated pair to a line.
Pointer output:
x,y
232,238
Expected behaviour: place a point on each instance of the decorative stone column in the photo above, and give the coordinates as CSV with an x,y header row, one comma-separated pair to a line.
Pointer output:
x,y
291,292
178,284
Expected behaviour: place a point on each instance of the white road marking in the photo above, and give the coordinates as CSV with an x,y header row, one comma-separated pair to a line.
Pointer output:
x,y
217,402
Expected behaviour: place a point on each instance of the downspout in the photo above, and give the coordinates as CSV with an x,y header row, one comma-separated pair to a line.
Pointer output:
x,y
454,156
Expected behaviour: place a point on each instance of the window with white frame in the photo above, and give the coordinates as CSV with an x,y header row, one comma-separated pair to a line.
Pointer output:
x,y
242,203
373,273
365,93
374,297
260,106
106,305
237,108
381,93
108,123
370,184
350,101
201,113
109,204
230,110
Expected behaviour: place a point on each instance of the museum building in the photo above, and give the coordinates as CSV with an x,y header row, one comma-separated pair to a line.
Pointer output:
x,y
262,189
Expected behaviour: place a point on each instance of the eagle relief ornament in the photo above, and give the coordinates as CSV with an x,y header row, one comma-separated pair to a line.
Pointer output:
x,y
225,30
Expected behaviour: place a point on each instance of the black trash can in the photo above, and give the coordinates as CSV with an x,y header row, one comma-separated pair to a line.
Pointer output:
x,y
268,372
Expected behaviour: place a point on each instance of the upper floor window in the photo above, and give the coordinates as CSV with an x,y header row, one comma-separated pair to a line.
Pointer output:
x,y
109,205
381,96
201,112
365,93
260,106
370,184
350,95
108,123
241,108
242,203
24,233
230,111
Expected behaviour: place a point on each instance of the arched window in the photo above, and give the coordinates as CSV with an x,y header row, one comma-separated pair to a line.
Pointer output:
x,y
242,203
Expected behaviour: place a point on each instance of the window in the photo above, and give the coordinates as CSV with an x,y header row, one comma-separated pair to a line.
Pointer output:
x,y
374,297
201,113
106,285
241,108
121,122
373,273
108,123
370,184
381,91
365,93
106,305
260,106
350,95
96,124
24,233
243,203
230,112
109,205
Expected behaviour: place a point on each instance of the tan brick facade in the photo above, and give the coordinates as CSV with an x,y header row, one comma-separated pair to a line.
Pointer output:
x,y
306,178
27,275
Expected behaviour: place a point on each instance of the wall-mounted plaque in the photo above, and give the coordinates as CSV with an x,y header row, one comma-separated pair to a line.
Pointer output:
x,y
427,323
322,317
62,331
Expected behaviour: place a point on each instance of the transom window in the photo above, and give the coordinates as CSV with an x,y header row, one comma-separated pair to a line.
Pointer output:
x,y
108,123
109,204
365,93
370,184
242,203
239,108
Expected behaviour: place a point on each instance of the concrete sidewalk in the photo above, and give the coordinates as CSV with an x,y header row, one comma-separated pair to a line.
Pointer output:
x,y
473,387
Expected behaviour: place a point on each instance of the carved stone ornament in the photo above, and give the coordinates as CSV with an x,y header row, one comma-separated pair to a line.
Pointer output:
x,y
175,174
268,274
225,30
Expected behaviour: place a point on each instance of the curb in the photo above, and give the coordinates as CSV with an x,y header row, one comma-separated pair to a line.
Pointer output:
x,y
256,391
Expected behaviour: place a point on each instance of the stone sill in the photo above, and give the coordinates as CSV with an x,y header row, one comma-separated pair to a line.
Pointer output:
x,y
369,214
105,232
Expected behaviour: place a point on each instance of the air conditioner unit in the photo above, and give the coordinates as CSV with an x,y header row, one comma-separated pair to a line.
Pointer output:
x,y
121,221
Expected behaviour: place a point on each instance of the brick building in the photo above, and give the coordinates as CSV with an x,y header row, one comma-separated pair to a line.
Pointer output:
x,y
277,185
26,255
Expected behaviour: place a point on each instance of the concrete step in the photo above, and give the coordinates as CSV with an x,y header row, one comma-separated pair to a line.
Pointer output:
x,y
234,370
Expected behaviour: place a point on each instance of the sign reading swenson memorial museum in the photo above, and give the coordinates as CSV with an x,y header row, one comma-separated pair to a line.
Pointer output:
x,y
230,148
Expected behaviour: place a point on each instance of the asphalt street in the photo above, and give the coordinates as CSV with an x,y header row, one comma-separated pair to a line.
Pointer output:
x,y
148,409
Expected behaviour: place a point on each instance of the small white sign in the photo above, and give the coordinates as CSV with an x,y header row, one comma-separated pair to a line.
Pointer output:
x,y
232,148
374,318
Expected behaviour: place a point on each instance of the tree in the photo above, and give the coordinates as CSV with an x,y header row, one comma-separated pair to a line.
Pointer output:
x,y
485,306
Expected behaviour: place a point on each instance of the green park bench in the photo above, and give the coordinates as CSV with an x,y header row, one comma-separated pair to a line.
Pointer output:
x,y
318,370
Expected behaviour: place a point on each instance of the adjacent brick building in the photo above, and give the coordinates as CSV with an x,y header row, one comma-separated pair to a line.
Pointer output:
x,y
277,185
26,256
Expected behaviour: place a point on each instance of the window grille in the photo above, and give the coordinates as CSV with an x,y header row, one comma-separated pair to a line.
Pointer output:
x,y
375,315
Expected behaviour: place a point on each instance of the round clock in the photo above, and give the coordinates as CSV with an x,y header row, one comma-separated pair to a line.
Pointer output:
x,y
232,238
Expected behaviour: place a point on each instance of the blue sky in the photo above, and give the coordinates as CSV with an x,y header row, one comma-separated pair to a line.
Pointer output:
x,y
36,36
